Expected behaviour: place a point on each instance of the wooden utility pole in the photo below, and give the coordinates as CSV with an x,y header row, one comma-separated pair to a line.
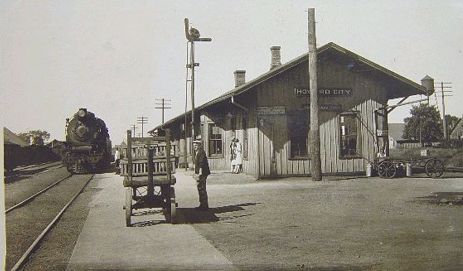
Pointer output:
x,y
445,93
142,120
163,104
134,128
129,154
314,132
443,112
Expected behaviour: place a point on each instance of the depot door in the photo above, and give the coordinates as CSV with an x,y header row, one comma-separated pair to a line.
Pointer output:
x,y
267,155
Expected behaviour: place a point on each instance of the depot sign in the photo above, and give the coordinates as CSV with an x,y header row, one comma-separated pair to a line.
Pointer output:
x,y
331,92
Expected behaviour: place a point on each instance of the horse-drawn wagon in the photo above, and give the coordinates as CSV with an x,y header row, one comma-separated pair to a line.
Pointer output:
x,y
148,170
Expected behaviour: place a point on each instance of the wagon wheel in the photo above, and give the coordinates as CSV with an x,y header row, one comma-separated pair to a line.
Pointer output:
x,y
434,168
173,206
387,169
128,206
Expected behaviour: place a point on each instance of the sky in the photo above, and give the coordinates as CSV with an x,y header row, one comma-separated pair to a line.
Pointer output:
x,y
115,58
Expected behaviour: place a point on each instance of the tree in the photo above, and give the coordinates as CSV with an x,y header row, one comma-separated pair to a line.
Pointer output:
x,y
35,137
424,124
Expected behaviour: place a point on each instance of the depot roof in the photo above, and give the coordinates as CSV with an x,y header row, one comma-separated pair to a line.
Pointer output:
x,y
407,87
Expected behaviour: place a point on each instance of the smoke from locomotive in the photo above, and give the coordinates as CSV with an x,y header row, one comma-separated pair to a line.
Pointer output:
x,y
88,147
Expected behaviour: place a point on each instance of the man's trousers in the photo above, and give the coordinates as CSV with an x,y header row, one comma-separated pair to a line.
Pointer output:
x,y
201,184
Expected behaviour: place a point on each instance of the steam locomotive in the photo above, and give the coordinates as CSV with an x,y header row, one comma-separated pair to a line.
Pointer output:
x,y
87,147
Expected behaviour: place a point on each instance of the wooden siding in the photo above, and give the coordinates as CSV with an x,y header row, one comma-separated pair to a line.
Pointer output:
x,y
221,116
274,146
268,144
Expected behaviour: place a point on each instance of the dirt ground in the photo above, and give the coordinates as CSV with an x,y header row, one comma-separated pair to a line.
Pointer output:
x,y
355,224
298,224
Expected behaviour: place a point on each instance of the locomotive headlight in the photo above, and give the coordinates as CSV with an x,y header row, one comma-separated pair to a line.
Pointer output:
x,y
82,112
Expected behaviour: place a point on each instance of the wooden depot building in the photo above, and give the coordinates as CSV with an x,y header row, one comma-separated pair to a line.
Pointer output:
x,y
270,116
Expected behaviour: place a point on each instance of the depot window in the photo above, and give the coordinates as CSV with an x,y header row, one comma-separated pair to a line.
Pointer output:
x,y
350,145
298,128
215,140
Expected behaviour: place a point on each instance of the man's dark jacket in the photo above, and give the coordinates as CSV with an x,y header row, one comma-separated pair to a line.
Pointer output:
x,y
201,162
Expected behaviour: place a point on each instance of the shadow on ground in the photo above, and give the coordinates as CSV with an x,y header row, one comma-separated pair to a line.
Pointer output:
x,y
193,215
443,198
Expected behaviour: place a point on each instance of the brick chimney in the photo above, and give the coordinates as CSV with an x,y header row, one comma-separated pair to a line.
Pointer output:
x,y
240,78
276,57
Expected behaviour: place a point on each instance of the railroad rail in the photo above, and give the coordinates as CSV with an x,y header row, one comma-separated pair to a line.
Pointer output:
x,y
36,194
23,259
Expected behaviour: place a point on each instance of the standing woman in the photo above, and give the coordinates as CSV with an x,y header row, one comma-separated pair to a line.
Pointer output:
x,y
238,161
232,155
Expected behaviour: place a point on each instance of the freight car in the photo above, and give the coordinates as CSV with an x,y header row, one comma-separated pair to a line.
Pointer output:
x,y
87,146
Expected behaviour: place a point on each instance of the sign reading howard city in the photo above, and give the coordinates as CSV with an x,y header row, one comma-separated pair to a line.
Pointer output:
x,y
332,92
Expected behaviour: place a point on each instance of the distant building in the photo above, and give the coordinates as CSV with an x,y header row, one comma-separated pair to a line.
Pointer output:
x,y
12,149
457,132
11,138
396,131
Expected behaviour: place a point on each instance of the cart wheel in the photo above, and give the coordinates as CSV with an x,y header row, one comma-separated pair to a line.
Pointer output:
x,y
128,206
173,206
434,168
387,169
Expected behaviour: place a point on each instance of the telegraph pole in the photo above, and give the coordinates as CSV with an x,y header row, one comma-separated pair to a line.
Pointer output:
x,y
444,85
134,127
314,133
142,120
163,104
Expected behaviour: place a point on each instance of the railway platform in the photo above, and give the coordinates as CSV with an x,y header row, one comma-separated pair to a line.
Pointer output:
x,y
105,243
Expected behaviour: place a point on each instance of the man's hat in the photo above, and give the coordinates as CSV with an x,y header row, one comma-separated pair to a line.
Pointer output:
x,y
197,140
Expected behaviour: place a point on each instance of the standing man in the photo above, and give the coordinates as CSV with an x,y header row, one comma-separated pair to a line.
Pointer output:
x,y
201,173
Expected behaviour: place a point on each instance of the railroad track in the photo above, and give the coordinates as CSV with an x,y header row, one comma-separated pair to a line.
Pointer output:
x,y
23,171
27,200
21,211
